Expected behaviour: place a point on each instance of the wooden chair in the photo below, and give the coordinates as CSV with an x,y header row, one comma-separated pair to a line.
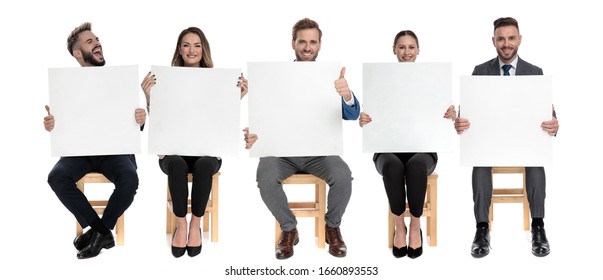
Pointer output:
x,y
430,212
211,210
315,209
100,205
510,195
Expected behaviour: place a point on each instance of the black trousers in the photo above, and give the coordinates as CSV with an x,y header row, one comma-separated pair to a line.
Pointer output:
x,y
119,169
177,169
405,177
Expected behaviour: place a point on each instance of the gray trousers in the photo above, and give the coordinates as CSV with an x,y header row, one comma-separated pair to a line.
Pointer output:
x,y
272,171
482,191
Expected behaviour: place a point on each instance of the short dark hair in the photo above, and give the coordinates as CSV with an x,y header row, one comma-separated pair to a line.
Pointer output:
x,y
305,23
405,33
505,21
74,36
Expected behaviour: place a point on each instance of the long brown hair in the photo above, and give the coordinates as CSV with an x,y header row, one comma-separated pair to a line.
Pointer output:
x,y
206,61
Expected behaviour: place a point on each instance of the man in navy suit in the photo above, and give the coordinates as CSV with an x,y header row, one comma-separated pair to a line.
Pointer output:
x,y
86,48
506,40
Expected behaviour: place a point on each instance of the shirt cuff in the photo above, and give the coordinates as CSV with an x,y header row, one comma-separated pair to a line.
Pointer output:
x,y
351,102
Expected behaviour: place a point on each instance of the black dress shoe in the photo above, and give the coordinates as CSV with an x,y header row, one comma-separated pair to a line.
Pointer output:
x,y
81,241
194,250
540,245
399,252
177,251
481,243
97,243
415,253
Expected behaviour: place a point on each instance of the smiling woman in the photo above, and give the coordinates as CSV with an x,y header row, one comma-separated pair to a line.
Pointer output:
x,y
192,50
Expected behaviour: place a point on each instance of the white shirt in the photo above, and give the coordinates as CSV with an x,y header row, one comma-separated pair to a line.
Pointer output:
x,y
513,64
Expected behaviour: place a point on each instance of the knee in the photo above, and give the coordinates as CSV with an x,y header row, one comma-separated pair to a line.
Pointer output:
x,y
57,179
392,168
341,176
418,169
266,183
176,164
266,173
205,167
127,181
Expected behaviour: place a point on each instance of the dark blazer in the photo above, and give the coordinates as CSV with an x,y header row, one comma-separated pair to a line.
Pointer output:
x,y
492,68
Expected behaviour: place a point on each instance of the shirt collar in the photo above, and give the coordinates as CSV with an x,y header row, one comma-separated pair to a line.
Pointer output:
x,y
513,63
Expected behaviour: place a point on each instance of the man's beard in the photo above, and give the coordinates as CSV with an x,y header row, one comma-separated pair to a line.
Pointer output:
x,y
89,58
299,57
513,54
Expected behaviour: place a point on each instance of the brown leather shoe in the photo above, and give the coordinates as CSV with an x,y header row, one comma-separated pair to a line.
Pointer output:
x,y
284,249
337,247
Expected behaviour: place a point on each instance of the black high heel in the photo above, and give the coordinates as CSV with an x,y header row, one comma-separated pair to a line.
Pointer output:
x,y
177,251
196,250
415,253
399,252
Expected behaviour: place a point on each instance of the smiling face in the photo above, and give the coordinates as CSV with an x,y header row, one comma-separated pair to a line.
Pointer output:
x,y
506,40
88,50
191,50
406,49
307,44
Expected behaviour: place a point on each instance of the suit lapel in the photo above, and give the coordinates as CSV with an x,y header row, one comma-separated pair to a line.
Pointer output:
x,y
521,67
494,68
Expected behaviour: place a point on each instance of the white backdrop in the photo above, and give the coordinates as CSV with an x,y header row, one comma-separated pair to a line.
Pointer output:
x,y
37,230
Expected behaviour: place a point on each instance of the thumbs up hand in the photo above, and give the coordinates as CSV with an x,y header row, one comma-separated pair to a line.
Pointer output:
x,y
48,120
341,85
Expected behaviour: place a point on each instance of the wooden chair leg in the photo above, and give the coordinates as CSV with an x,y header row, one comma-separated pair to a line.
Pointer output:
x,y
277,233
322,198
491,215
120,230
316,200
426,205
206,221
168,220
526,205
432,220
214,207
390,228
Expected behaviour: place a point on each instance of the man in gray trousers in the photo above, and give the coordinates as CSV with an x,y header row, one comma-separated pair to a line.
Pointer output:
x,y
506,40
272,171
